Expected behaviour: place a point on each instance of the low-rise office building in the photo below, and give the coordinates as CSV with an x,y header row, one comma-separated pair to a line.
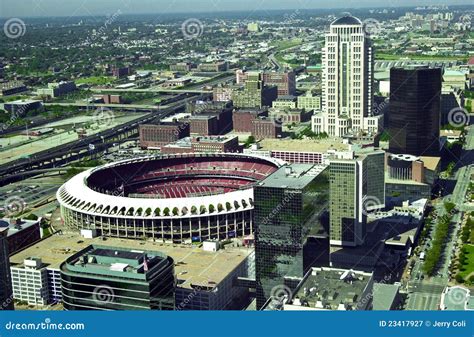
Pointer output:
x,y
206,144
213,67
242,118
22,233
285,102
30,282
264,127
216,289
309,101
328,289
21,107
155,136
109,278
410,177
287,116
12,88
57,89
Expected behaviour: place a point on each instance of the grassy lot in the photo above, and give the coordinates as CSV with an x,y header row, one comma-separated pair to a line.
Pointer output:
x,y
95,80
468,265
389,57
286,44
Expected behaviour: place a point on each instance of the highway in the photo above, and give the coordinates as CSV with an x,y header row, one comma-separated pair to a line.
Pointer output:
x,y
64,154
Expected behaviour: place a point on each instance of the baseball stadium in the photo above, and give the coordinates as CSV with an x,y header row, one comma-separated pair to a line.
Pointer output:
x,y
180,198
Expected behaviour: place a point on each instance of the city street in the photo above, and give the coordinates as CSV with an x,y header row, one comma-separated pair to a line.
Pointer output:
x,y
426,294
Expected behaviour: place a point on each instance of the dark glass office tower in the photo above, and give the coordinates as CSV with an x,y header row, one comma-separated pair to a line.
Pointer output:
x,y
6,292
415,110
289,205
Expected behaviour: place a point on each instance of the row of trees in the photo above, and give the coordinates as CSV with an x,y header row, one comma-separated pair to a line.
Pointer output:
x,y
433,255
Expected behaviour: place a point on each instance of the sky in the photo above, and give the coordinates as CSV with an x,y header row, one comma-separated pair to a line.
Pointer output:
x,y
29,8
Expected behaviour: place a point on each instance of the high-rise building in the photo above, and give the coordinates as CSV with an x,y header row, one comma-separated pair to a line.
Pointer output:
x,y
414,118
6,292
347,80
289,205
356,187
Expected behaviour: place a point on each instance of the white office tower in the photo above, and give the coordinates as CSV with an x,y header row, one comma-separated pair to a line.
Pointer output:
x,y
347,81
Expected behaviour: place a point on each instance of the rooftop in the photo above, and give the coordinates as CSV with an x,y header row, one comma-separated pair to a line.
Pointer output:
x,y
192,264
295,176
113,261
431,163
17,227
25,101
331,288
384,296
306,145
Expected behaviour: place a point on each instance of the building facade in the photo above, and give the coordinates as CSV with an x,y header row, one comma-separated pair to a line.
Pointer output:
x,y
309,101
30,282
266,128
347,78
288,205
255,93
6,291
109,278
414,118
154,136
356,187
242,118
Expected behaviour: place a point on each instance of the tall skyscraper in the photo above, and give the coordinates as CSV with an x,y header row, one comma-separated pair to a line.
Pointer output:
x,y
356,187
415,103
6,292
289,205
347,81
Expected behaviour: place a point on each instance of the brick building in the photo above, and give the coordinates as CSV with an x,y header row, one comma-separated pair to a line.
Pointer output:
x,y
242,118
112,99
203,144
210,118
155,136
265,128
213,67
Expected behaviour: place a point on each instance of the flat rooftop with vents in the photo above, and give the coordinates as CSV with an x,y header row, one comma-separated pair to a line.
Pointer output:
x,y
333,289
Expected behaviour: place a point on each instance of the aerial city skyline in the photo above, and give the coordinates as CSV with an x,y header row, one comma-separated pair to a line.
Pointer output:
x,y
258,161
